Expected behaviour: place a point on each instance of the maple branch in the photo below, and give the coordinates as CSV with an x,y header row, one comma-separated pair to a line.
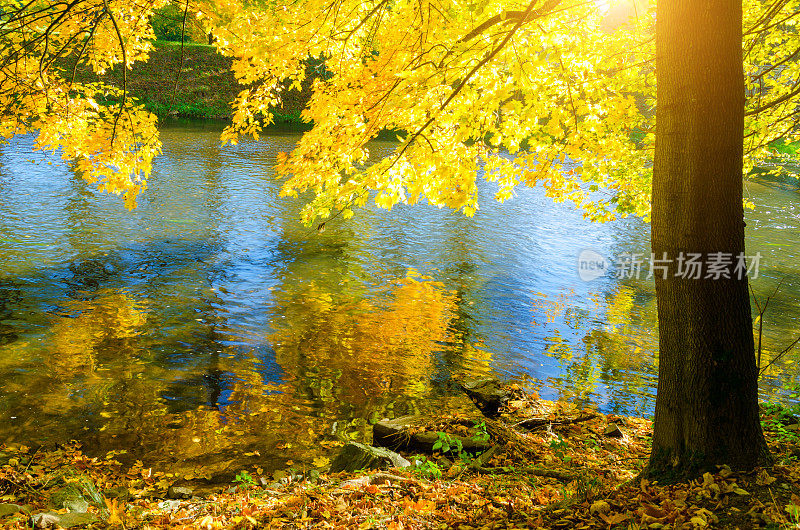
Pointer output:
x,y
364,20
506,17
765,18
66,10
786,132
768,14
61,51
124,71
85,44
569,89
26,20
180,66
528,12
780,63
18,13
789,95
46,36
761,312
781,354
779,22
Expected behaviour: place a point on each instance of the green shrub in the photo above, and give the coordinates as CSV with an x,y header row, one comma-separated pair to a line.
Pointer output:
x,y
168,24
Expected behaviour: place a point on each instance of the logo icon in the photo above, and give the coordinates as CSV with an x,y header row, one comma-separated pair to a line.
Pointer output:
x,y
591,265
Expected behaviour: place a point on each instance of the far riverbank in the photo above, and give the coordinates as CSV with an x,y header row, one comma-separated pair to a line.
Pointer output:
x,y
205,87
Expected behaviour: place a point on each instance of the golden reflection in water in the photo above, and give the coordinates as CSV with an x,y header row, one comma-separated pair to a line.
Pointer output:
x,y
82,338
613,357
109,315
337,352
370,347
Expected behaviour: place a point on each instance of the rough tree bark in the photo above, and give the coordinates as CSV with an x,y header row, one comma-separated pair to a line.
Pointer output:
x,y
706,406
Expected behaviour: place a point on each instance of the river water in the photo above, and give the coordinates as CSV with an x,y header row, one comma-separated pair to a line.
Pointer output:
x,y
208,326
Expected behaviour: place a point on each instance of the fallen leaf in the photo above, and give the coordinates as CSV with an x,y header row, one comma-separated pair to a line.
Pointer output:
x,y
654,512
764,479
615,518
601,507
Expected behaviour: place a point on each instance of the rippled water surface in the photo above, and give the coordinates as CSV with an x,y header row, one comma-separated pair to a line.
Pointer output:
x,y
208,324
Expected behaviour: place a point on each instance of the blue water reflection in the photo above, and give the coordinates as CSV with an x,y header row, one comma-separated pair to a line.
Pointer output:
x,y
211,302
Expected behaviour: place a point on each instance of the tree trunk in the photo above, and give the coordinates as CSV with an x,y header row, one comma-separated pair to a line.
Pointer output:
x,y
706,406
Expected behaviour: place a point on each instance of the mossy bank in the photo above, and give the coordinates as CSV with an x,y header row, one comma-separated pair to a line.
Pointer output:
x,y
202,89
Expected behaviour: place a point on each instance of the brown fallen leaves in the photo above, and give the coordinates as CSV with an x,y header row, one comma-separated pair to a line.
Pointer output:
x,y
564,474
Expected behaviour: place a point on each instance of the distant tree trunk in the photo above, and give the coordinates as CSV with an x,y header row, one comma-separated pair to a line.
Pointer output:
x,y
706,407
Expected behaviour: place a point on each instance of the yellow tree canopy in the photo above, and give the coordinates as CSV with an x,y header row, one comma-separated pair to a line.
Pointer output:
x,y
558,93
98,127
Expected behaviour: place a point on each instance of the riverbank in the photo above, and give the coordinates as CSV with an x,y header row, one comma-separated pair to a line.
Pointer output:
x,y
572,470
203,90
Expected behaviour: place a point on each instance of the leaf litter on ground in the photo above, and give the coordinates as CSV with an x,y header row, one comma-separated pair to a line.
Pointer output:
x,y
552,465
